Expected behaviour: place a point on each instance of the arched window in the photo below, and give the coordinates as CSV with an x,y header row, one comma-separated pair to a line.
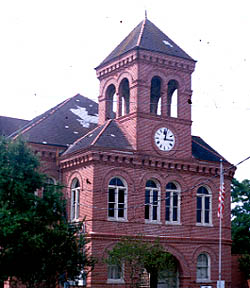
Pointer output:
x,y
111,102
117,199
203,267
125,97
152,201
172,203
203,206
155,96
75,199
172,98
115,273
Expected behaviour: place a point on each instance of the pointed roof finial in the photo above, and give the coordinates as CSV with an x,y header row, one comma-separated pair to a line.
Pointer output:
x,y
146,14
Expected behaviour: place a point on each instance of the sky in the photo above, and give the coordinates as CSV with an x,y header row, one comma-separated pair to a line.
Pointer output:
x,y
49,49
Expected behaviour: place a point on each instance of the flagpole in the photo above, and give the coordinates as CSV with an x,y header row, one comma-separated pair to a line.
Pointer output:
x,y
220,211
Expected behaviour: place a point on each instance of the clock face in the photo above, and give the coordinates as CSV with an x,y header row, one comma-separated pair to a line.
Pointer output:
x,y
164,139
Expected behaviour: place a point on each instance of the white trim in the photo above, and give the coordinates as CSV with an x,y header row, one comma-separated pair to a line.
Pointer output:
x,y
171,206
116,210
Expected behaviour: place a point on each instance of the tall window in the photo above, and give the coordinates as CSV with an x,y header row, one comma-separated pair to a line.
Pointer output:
x,y
115,274
117,199
125,97
155,96
152,201
75,199
203,206
172,203
203,267
172,96
111,102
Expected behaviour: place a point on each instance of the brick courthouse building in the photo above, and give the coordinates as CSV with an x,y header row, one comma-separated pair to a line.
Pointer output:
x,y
133,167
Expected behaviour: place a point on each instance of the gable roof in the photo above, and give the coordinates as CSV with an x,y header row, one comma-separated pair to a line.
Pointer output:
x,y
108,135
9,125
73,125
63,124
202,151
146,36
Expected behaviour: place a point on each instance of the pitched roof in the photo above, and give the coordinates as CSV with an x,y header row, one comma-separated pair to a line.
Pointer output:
x,y
108,135
147,36
202,151
63,124
8,125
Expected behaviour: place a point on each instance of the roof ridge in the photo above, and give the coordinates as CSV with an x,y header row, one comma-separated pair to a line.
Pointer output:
x,y
50,112
141,32
100,133
212,151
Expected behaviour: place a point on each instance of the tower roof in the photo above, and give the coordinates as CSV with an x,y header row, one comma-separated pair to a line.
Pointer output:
x,y
146,36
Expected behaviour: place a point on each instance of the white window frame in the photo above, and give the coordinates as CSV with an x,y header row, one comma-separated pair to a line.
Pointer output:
x,y
151,202
116,203
171,206
203,210
75,195
112,270
205,266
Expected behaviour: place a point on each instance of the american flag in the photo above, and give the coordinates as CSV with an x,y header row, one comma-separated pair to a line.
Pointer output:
x,y
221,192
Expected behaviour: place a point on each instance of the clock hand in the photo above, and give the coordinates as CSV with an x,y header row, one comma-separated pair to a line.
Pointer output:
x,y
165,132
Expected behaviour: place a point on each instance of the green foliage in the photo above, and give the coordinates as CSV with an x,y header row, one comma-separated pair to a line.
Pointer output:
x,y
244,262
37,245
241,217
137,254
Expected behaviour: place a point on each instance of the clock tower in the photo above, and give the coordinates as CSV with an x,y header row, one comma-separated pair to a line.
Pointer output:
x,y
145,84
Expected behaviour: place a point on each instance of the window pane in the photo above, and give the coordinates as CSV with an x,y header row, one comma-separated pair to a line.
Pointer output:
x,y
154,212
167,198
111,209
147,197
111,195
175,200
174,214
167,214
121,196
207,203
116,182
155,197
121,210
171,186
198,216
146,211
151,184
199,202
206,216
119,182
202,190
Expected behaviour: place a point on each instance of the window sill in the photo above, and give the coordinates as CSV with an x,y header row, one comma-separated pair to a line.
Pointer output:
x,y
204,281
117,220
204,225
153,222
173,223
115,281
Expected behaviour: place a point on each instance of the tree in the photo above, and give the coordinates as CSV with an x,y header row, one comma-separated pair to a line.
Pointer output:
x,y
241,223
37,245
241,217
137,254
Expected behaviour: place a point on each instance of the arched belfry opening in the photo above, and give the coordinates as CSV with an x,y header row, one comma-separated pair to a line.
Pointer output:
x,y
111,102
172,98
155,96
124,97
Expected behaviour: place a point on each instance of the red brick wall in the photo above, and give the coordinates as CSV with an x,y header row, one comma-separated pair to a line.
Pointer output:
x,y
238,279
184,241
